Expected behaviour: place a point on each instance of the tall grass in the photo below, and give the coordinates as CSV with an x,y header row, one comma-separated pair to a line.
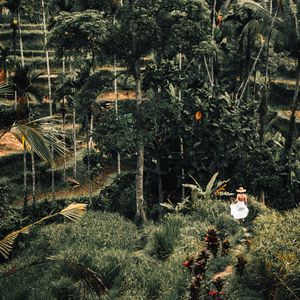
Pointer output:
x,y
166,237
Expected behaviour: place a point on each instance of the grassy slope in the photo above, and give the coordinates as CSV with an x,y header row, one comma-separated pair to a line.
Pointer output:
x,y
130,261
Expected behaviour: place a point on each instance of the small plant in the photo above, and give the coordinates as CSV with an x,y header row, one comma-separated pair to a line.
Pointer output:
x,y
219,284
212,189
165,238
248,242
178,208
197,265
225,247
217,293
240,265
212,241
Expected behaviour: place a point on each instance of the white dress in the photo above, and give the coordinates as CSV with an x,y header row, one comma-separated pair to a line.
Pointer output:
x,y
239,210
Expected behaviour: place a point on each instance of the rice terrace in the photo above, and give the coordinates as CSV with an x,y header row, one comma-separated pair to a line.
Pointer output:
x,y
149,150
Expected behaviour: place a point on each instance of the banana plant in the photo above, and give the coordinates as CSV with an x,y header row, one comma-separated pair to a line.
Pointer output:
x,y
73,212
213,188
178,208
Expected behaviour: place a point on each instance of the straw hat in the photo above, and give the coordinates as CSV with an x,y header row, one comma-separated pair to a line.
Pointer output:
x,y
241,190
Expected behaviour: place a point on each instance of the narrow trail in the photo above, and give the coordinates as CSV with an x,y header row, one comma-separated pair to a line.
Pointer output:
x,y
100,181
238,249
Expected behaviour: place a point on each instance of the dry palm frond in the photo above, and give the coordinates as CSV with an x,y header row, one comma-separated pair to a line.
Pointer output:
x,y
74,212
5,89
89,277
40,135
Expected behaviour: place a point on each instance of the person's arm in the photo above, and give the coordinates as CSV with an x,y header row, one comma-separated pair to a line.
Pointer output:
x,y
246,199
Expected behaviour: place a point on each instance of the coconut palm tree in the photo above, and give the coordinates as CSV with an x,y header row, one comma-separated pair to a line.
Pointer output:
x,y
14,7
24,80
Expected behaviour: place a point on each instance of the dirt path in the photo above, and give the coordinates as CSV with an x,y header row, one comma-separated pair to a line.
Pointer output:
x,y
100,181
9,144
236,250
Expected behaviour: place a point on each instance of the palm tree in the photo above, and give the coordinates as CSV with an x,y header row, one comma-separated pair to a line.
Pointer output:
x,y
4,53
14,8
286,38
24,81
49,82
55,7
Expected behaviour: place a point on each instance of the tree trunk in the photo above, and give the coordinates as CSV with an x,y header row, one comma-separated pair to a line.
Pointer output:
x,y
160,186
64,62
21,39
64,135
116,101
292,123
25,176
140,212
33,177
180,138
49,89
88,143
74,142
213,26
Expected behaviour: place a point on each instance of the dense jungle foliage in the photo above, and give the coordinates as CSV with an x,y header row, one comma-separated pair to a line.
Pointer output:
x,y
138,120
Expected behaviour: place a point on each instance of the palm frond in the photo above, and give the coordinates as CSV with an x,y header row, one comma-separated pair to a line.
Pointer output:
x,y
5,89
40,135
6,244
90,278
74,212
261,14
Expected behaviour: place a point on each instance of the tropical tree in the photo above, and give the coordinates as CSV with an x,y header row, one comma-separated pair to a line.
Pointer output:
x,y
287,38
24,82
14,7
4,53
81,35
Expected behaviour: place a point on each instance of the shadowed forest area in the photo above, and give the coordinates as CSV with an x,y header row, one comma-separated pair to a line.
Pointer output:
x,y
149,149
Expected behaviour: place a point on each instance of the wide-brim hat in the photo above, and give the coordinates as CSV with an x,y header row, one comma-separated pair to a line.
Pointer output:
x,y
241,190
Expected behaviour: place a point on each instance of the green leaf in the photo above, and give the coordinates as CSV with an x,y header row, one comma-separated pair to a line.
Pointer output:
x,y
211,183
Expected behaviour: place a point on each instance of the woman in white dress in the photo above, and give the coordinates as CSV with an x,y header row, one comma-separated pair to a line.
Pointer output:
x,y
239,210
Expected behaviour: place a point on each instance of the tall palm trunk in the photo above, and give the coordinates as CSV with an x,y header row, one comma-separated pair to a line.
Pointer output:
x,y
64,134
74,142
160,185
140,212
88,144
20,39
116,102
33,176
64,62
139,179
25,176
180,138
213,26
49,88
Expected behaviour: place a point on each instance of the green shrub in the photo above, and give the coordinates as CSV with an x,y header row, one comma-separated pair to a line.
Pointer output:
x,y
166,237
255,209
276,251
101,241
146,278
119,196
10,218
